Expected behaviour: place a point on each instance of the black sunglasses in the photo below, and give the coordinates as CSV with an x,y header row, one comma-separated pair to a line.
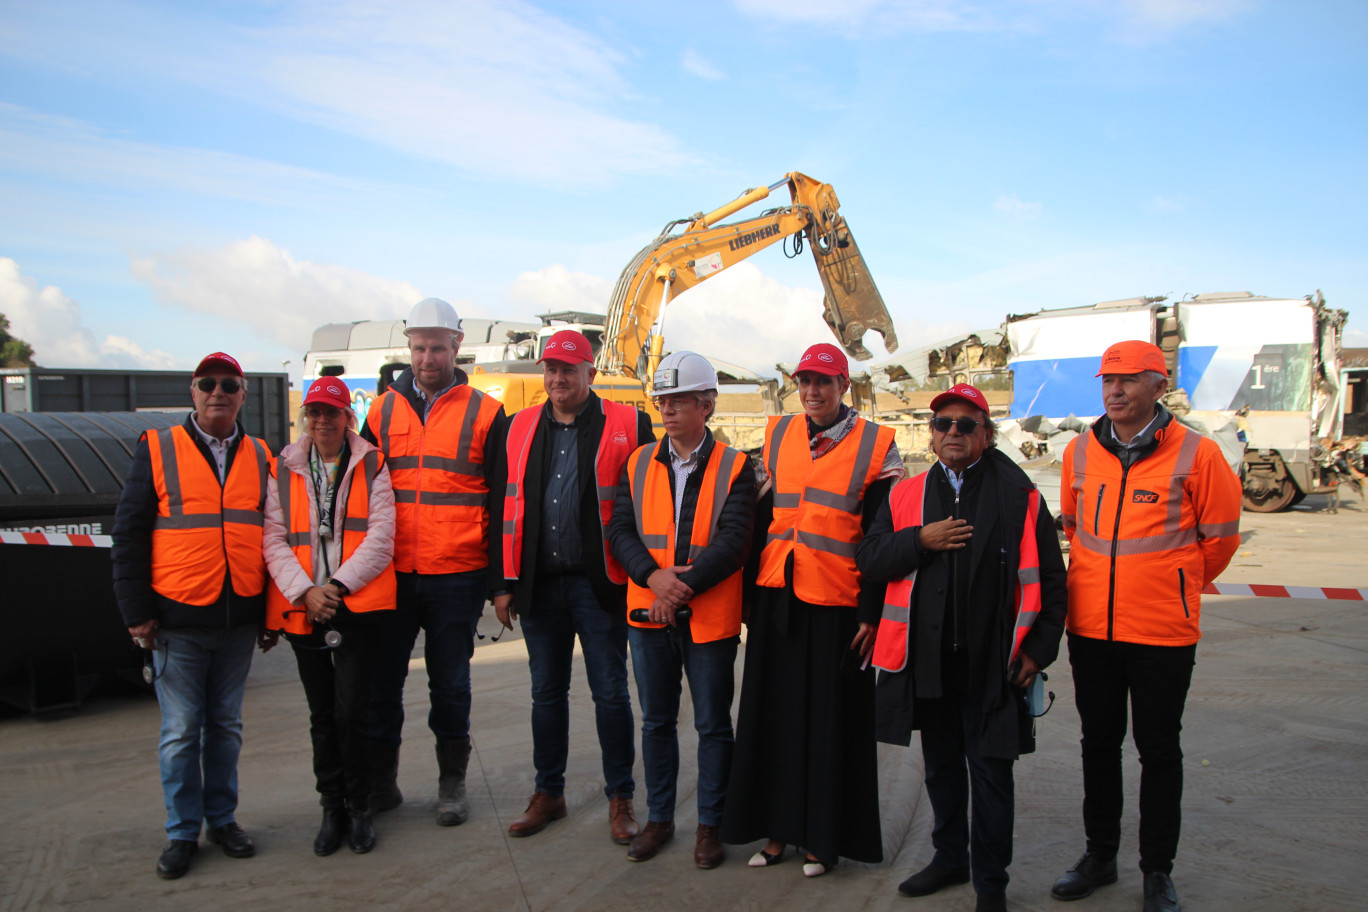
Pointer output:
x,y
966,425
230,384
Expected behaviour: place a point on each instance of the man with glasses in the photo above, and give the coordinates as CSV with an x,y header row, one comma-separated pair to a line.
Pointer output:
x,y
682,529
564,459
974,610
1152,510
441,439
190,579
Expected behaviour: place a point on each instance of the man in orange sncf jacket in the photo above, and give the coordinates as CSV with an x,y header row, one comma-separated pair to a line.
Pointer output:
x,y
1152,512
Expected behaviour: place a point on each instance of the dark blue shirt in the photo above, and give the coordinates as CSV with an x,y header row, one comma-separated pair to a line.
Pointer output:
x,y
560,549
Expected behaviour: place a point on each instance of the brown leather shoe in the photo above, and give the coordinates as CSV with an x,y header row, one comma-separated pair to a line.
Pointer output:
x,y
541,810
708,851
622,822
650,840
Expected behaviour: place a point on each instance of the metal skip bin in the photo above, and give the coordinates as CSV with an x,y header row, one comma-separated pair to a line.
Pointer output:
x,y
61,474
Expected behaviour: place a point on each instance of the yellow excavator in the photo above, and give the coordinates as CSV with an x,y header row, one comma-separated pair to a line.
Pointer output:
x,y
632,342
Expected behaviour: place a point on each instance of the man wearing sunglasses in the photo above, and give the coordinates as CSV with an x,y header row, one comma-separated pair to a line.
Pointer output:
x,y
190,578
974,609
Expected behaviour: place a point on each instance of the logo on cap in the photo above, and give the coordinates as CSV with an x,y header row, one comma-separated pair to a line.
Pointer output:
x,y
823,356
334,390
568,345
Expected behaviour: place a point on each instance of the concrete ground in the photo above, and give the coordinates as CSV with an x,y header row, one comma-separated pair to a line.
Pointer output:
x,y
1275,812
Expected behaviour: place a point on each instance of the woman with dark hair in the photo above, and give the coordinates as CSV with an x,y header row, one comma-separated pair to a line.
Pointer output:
x,y
805,769
329,543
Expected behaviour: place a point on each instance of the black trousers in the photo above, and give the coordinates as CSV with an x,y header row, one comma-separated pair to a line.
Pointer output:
x,y
337,684
955,769
1154,680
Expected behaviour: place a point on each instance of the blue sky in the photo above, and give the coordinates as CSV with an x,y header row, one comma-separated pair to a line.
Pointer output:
x,y
181,177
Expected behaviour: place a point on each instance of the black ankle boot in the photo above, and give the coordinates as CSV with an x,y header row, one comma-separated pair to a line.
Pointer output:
x,y
362,838
335,826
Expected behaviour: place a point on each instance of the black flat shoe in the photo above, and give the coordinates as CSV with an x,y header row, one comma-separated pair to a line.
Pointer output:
x,y
175,858
234,840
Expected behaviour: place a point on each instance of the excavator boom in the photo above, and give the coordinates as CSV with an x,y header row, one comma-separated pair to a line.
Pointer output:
x,y
675,262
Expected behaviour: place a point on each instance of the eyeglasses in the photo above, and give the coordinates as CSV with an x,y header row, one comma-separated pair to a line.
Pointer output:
x,y
230,385
674,403
329,412
966,425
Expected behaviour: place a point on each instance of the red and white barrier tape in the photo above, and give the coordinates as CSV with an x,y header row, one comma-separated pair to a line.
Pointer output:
x,y
11,537
1301,592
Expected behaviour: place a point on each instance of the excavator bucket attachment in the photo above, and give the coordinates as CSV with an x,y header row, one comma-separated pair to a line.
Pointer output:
x,y
853,304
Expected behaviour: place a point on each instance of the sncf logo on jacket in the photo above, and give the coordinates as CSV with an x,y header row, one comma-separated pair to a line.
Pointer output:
x,y
1148,497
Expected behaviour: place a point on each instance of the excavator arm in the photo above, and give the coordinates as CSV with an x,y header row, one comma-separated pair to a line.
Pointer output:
x,y
676,262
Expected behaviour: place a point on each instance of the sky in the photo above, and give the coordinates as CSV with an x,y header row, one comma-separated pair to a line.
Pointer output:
x,y
178,178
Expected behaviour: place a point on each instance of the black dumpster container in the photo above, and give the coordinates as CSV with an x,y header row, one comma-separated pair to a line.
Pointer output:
x,y
60,478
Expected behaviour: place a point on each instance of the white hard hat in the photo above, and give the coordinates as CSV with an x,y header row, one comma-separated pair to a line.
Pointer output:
x,y
432,313
683,372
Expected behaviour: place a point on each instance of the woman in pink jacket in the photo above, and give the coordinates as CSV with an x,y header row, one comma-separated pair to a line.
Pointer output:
x,y
329,543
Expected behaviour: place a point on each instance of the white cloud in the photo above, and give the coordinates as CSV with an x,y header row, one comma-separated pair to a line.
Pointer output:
x,y
857,16
557,288
695,63
52,323
1175,14
1355,338
41,145
264,287
1010,204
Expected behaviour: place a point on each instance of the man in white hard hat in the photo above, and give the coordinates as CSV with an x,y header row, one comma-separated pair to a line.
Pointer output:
x,y
441,439
564,461
682,529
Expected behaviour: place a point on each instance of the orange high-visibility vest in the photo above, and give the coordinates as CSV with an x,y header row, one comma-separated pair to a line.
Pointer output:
x,y
205,529
818,506
441,496
617,443
378,594
1146,540
906,505
717,612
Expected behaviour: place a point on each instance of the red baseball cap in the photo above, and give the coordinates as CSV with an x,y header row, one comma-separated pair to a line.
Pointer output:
x,y
1131,357
220,362
824,358
964,393
568,346
329,391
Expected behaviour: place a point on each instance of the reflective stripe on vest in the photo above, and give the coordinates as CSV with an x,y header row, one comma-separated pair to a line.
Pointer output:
x,y
717,612
906,506
818,508
378,594
437,470
617,442
205,529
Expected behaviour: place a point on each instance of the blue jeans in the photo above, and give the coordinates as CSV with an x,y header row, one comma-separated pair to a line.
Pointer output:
x,y
659,656
447,606
200,678
566,606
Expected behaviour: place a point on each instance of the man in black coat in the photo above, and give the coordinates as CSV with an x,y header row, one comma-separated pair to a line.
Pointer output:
x,y
955,641
561,467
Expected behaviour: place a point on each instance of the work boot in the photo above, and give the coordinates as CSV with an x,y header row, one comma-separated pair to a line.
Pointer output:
x,y
362,837
932,878
650,840
1160,896
541,810
1091,872
385,794
452,758
335,826
708,850
622,822
175,858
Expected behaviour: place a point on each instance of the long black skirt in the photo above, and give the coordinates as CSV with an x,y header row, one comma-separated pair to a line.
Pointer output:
x,y
805,768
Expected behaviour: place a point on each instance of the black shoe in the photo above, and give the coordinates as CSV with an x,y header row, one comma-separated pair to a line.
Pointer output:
x,y
930,879
1159,893
362,837
235,841
336,824
1091,872
991,902
175,858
